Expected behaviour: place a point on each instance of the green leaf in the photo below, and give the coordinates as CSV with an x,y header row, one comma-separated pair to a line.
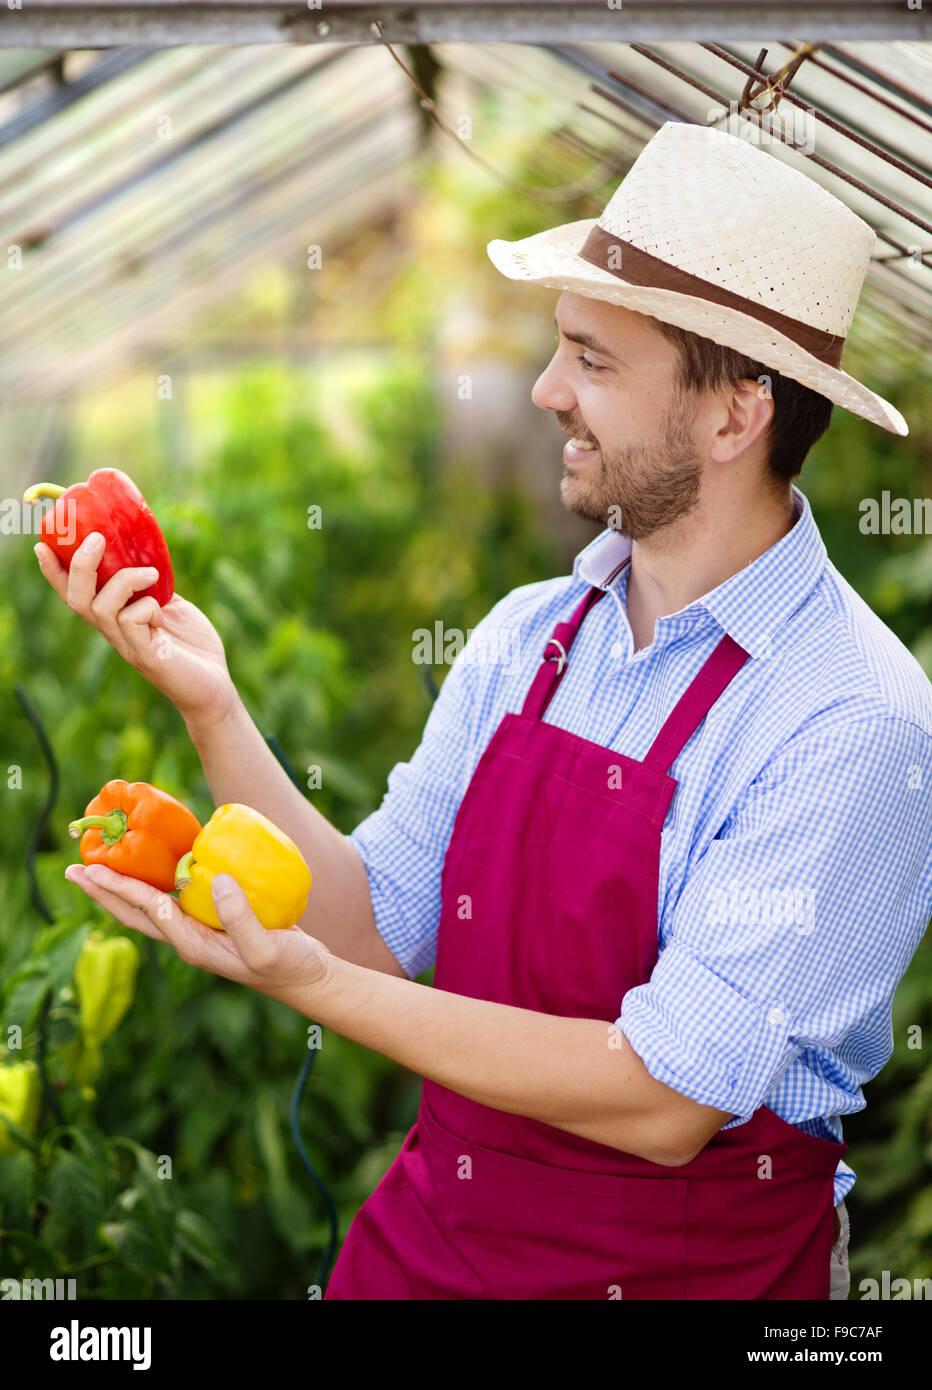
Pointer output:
x,y
27,989
10,1129
198,1240
59,946
290,1210
200,1126
157,1190
17,1189
75,1191
135,1246
235,587
183,979
35,1259
229,1017
920,1214
268,1132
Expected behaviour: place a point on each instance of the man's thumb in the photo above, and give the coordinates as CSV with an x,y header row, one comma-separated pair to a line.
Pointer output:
x,y
229,899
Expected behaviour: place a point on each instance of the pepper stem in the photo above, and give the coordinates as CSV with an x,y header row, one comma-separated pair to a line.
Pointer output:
x,y
183,870
112,826
42,490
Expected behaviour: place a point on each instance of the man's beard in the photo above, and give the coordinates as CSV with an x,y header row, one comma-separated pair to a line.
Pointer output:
x,y
641,488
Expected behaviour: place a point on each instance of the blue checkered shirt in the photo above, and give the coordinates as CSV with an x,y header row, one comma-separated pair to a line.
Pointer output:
x,y
796,859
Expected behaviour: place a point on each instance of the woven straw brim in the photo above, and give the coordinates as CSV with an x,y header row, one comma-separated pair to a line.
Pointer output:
x,y
551,259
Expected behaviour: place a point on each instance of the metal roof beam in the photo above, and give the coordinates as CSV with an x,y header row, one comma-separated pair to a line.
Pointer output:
x,y
166,23
881,78
90,274
106,69
181,149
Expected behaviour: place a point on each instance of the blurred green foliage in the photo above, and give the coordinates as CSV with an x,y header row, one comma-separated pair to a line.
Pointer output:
x,y
318,627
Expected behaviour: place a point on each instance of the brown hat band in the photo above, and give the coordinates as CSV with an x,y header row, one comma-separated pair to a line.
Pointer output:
x,y
640,268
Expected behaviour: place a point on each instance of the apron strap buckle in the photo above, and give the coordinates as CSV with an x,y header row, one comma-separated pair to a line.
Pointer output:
x,y
561,660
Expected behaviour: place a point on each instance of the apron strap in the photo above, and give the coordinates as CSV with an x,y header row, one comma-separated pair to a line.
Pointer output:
x,y
695,702
556,653
686,716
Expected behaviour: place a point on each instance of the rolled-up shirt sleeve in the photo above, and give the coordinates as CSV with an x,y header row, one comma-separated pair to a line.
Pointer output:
x,y
404,842
794,928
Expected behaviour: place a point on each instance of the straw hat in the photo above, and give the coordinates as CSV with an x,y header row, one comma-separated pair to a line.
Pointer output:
x,y
712,234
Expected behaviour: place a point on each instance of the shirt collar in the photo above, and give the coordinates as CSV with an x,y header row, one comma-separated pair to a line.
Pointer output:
x,y
752,605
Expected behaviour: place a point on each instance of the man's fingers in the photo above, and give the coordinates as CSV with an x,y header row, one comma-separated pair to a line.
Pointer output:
x,y
112,903
77,586
53,569
105,608
135,620
143,612
82,574
161,909
156,914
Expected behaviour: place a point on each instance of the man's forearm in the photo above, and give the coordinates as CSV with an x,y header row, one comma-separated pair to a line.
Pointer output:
x,y
578,1074
239,766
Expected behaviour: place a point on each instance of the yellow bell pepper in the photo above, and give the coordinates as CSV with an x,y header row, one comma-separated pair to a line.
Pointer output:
x,y
266,864
105,973
20,1094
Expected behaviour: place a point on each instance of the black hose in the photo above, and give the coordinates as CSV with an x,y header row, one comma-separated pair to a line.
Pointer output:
x,y
301,1082
41,906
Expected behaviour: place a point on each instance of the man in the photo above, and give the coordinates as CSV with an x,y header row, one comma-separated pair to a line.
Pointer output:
x,y
672,861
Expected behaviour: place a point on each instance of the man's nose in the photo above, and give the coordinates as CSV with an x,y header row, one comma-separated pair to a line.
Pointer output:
x,y
551,391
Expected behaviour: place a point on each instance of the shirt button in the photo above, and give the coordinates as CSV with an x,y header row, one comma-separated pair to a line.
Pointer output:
x,y
617,649
776,1017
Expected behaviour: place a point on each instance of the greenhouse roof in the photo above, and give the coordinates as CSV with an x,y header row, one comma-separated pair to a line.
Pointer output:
x,y
139,184
109,23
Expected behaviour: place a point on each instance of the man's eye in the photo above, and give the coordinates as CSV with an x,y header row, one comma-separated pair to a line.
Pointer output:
x,y
590,366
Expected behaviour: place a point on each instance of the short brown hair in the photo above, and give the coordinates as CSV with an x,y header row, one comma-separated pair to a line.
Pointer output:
x,y
800,415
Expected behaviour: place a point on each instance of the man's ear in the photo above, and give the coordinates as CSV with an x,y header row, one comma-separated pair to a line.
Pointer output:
x,y
748,411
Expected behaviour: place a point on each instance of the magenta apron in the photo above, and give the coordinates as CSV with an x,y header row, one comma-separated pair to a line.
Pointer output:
x,y
549,903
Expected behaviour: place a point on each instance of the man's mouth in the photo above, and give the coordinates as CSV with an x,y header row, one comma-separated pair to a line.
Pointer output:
x,y
579,450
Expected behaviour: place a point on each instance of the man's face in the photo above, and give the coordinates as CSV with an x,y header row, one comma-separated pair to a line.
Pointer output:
x,y
611,383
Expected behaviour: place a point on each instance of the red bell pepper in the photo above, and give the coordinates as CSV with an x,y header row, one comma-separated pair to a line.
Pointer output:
x,y
111,503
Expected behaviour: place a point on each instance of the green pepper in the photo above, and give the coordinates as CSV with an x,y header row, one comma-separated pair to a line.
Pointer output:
x,y
19,1101
105,974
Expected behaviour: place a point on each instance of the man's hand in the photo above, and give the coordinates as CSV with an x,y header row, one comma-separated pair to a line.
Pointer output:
x,y
175,647
287,965
561,1071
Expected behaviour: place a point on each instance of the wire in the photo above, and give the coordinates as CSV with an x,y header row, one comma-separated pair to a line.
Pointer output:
x,y
318,1182
774,86
430,683
38,829
279,752
301,1082
589,183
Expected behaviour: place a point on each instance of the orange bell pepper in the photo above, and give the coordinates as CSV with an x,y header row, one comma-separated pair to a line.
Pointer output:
x,y
138,830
